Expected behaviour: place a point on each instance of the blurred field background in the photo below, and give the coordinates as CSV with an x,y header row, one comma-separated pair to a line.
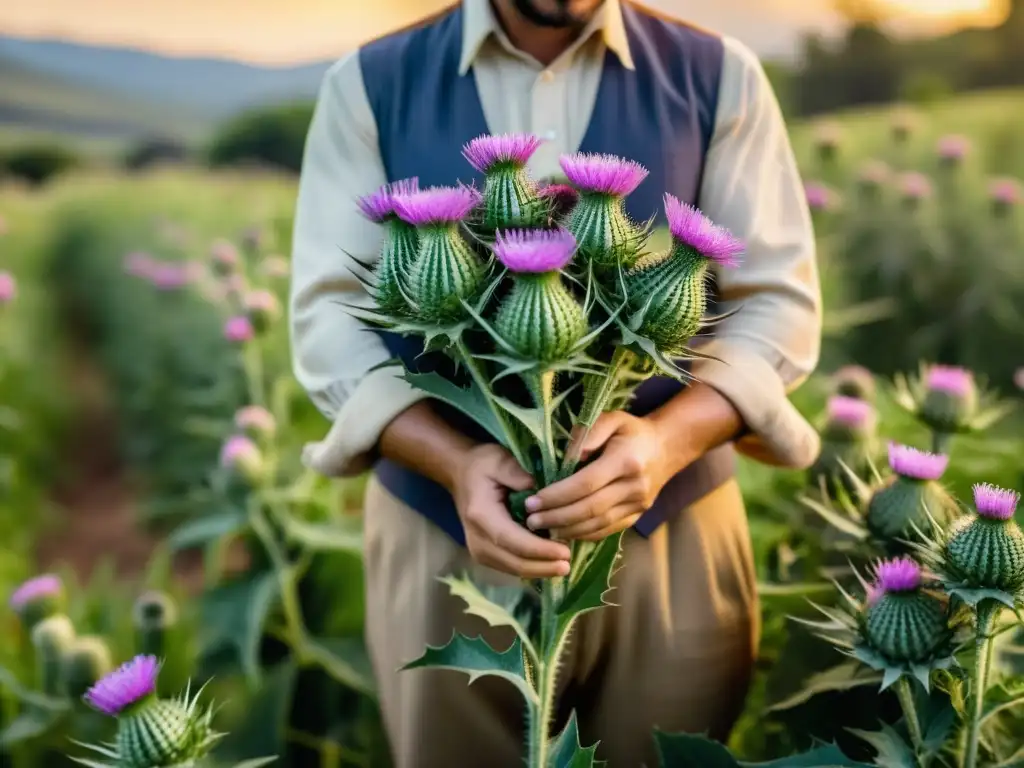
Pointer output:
x,y
117,390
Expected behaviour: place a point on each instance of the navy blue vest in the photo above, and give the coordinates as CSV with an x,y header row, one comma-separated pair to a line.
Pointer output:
x,y
662,115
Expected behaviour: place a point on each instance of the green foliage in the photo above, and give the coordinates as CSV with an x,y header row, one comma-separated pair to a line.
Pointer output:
x,y
273,137
37,164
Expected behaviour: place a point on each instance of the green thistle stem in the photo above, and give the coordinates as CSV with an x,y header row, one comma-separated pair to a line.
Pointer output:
x,y
553,638
941,442
906,698
542,386
595,402
252,360
986,615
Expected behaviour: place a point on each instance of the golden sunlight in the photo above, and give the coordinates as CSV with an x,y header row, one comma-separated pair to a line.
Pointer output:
x,y
971,11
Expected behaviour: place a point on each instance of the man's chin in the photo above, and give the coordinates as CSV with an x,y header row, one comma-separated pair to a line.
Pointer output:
x,y
542,16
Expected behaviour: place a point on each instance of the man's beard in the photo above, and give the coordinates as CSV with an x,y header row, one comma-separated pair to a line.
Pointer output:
x,y
561,18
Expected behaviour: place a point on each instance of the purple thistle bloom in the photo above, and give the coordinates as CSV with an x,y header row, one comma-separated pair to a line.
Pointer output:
x,y
238,329
602,174
437,205
849,411
914,464
535,250
995,503
692,228
225,254
485,152
139,264
819,196
255,418
562,197
169,277
238,450
381,204
898,575
8,288
915,186
873,173
953,148
46,585
950,379
1005,191
129,684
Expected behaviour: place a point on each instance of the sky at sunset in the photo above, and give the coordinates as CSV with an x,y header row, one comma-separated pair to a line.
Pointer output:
x,y
291,31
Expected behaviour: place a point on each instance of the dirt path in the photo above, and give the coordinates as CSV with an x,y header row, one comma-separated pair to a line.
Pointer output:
x,y
97,516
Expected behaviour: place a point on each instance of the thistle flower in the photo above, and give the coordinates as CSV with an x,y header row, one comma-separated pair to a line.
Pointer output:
x,y
239,329
263,309
947,400
252,238
953,149
1005,194
275,267
854,381
871,177
986,550
606,236
8,288
902,622
849,419
914,187
828,135
902,124
847,438
51,639
242,456
446,270
153,614
256,422
138,264
86,662
151,731
37,599
670,290
560,198
820,197
510,197
539,318
398,249
168,277
903,504
224,258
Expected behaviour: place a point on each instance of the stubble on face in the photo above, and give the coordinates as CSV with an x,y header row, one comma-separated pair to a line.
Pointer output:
x,y
557,14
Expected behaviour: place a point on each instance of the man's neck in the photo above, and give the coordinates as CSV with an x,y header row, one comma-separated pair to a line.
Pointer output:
x,y
545,44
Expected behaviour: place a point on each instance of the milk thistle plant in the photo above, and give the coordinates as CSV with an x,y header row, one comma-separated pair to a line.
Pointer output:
x,y
553,287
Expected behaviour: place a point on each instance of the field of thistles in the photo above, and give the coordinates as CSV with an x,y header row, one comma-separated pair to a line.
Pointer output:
x,y
174,285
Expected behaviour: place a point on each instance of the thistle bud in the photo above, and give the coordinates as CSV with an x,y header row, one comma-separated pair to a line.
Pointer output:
x,y
539,318
51,639
153,614
870,179
510,198
224,258
849,420
262,309
671,289
902,124
37,599
952,150
447,271
1005,194
854,381
950,399
239,330
914,188
827,138
398,249
85,662
900,504
605,235
8,288
151,731
903,622
820,197
256,422
560,199
987,550
241,456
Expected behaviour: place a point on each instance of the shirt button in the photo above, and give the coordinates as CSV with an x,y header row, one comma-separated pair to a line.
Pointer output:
x,y
547,76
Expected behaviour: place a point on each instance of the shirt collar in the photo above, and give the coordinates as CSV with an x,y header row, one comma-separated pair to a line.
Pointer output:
x,y
479,23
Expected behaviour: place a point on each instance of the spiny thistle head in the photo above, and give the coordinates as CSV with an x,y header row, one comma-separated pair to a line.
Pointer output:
x,y
8,288
914,464
53,635
854,381
598,174
950,399
242,456
692,230
820,197
85,662
670,290
872,175
903,504
130,684
560,199
914,187
987,551
380,205
952,149
539,318
256,421
437,206
535,251
154,609
224,257
38,598
848,419
263,309
239,329
902,622
508,149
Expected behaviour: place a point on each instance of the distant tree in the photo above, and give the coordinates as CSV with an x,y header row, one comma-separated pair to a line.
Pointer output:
x,y
37,164
274,137
155,151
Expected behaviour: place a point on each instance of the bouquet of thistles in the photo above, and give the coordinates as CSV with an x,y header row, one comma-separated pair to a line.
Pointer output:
x,y
553,311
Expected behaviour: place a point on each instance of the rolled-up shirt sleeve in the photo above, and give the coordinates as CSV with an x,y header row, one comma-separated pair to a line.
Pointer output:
x,y
333,354
771,344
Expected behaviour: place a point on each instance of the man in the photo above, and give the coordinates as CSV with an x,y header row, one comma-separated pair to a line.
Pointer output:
x,y
677,650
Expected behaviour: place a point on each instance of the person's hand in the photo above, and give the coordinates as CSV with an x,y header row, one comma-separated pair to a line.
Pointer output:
x,y
611,493
494,539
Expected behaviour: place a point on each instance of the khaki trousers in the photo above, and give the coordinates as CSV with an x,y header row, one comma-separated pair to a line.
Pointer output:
x,y
675,653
